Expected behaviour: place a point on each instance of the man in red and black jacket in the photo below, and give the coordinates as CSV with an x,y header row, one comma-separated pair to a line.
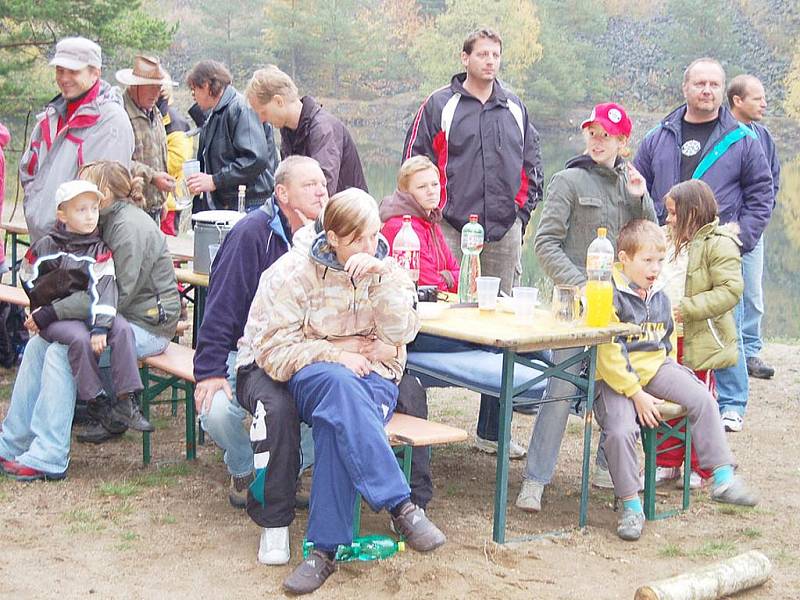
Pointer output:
x,y
480,137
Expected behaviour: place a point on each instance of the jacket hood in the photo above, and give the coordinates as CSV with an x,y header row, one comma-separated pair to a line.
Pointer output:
x,y
323,254
68,238
106,93
403,203
673,120
498,92
729,230
623,283
5,136
310,108
585,162
228,94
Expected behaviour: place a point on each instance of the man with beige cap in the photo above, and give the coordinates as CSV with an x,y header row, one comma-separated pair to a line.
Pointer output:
x,y
144,83
85,122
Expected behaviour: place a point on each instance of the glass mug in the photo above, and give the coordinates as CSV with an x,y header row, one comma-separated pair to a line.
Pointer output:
x,y
566,303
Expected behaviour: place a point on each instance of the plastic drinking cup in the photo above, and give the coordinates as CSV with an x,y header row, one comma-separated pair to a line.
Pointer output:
x,y
190,167
566,304
488,288
524,301
212,252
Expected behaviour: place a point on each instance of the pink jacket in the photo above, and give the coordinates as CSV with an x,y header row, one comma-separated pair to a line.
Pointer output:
x,y
434,253
5,137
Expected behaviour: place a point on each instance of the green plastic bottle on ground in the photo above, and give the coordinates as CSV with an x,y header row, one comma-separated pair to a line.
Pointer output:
x,y
369,547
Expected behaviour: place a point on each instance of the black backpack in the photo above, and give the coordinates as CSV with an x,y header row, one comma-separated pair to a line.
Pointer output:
x,y
13,335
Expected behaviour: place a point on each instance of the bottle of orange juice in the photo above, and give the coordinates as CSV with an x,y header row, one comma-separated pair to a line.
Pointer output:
x,y
599,291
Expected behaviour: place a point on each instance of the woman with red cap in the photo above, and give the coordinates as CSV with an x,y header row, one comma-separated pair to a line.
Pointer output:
x,y
598,188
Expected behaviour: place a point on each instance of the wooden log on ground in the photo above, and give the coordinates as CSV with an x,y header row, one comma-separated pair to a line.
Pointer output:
x,y
714,581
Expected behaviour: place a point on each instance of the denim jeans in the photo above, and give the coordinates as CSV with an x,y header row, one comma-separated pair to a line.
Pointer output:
x,y
733,385
753,297
223,422
36,430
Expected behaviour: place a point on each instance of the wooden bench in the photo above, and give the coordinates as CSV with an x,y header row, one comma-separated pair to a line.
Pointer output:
x,y
13,295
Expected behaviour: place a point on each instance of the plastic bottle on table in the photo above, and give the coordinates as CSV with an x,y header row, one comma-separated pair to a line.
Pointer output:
x,y
370,547
599,291
405,249
471,246
242,195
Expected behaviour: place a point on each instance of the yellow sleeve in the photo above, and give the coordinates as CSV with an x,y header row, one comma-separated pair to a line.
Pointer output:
x,y
614,365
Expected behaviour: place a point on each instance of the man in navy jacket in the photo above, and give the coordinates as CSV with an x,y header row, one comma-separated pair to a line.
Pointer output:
x,y
748,102
702,140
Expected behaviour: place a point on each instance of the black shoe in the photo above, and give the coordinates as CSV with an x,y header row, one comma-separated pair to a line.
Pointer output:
x,y
759,369
420,533
526,409
99,411
95,433
81,416
127,411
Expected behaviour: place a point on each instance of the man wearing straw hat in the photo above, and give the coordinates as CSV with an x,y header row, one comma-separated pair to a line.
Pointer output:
x,y
144,83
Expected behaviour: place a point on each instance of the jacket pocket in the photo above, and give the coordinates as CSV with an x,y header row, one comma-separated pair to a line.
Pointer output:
x,y
588,216
715,334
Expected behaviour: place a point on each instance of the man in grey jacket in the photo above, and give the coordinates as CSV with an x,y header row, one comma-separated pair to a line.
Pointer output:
x,y
85,122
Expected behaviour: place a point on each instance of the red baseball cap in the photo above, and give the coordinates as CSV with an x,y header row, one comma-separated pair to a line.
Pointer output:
x,y
611,117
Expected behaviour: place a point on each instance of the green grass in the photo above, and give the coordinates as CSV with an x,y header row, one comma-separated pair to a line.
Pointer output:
x,y
83,521
121,489
714,549
671,551
127,538
751,533
169,520
160,477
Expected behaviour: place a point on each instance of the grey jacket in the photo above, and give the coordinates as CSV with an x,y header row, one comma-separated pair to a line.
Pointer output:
x,y
99,129
579,199
148,292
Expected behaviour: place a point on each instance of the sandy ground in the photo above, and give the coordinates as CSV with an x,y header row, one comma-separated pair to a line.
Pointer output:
x,y
115,529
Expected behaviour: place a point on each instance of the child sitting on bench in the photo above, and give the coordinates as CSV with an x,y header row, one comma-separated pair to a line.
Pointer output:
x,y
637,374
72,259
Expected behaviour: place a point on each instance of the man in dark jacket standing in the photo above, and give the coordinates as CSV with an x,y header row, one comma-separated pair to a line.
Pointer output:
x,y
306,128
702,140
479,136
235,148
748,102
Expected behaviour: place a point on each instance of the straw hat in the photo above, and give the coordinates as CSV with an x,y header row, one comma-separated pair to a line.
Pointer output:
x,y
146,71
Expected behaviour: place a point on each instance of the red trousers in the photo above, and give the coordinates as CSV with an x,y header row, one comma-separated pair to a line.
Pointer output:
x,y
674,452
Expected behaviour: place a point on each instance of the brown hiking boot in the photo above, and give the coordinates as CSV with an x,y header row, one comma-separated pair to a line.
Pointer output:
x,y
237,493
420,533
310,574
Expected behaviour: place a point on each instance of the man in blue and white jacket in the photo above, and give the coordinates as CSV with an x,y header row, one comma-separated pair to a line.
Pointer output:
x,y
702,140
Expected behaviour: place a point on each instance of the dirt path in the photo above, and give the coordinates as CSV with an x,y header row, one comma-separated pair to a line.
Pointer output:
x,y
114,529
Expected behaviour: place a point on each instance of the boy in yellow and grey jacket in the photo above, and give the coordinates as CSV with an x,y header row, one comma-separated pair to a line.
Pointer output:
x,y
636,374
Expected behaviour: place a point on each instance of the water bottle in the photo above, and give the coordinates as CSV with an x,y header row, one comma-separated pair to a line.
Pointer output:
x,y
471,246
242,194
405,249
370,547
599,291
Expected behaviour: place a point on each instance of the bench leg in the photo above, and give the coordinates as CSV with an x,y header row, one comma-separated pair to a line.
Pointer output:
x,y
587,438
145,375
649,445
687,464
357,517
191,419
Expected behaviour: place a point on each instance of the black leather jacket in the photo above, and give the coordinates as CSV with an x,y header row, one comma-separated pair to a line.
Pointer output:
x,y
236,149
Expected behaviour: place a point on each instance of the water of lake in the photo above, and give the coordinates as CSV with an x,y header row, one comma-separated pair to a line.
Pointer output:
x,y
782,263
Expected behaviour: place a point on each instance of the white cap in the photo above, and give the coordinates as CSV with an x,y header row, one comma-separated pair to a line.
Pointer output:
x,y
69,189
77,53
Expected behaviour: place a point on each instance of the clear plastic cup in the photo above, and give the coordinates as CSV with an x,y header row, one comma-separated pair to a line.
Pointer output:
x,y
488,288
183,197
212,253
190,167
524,301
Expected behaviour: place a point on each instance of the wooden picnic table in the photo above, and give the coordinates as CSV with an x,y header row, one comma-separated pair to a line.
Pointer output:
x,y
503,331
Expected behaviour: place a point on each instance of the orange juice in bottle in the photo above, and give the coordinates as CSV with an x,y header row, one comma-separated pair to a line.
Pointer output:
x,y
599,291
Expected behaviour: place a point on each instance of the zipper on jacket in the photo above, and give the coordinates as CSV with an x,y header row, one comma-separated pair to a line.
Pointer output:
x,y
714,333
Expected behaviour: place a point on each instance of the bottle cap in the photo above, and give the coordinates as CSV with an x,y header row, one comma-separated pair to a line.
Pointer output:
x,y
473,218
601,232
406,217
242,188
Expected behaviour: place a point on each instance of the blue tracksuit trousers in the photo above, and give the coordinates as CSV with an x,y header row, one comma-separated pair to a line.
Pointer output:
x,y
347,414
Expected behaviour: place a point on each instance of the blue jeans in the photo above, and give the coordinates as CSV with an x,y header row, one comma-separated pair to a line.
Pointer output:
x,y
36,430
733,385
347,414
753,273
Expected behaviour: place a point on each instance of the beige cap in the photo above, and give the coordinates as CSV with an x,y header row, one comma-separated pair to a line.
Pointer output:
x,y
77,53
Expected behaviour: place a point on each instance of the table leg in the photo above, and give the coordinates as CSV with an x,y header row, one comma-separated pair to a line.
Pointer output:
x,y
587,437
14,265
503,443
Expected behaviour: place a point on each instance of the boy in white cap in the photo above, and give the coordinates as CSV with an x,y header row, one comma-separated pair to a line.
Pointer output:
x,y
85,122
72,259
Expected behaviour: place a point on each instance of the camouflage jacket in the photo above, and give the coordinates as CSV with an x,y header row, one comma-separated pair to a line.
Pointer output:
x,y
150,150
306,300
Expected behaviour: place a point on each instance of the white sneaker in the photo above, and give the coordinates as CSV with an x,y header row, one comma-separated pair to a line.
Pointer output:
x,y
695,481
530,496
665,474
601,478
732,421
515,451
273,549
